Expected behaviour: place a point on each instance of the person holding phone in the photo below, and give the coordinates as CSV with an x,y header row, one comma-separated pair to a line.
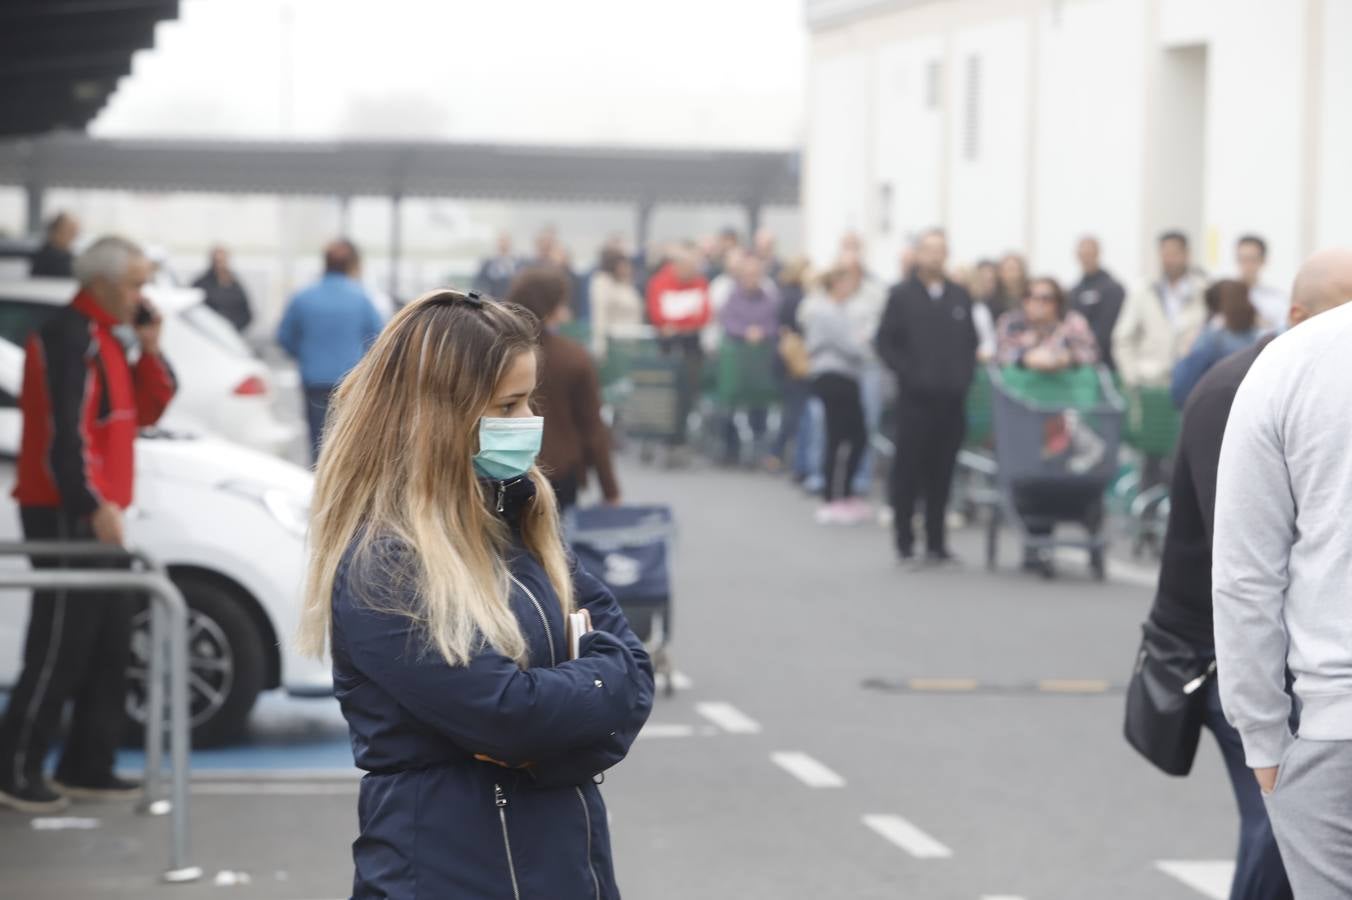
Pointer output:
x,y
82,403
440,585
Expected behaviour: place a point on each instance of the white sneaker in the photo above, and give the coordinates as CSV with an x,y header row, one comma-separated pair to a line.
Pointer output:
x,y
827,514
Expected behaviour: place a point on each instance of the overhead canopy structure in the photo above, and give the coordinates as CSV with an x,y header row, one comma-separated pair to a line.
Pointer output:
x,y
408,169
641,177
60,60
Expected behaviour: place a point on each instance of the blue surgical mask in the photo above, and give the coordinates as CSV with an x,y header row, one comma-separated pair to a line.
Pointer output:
x,y
508,447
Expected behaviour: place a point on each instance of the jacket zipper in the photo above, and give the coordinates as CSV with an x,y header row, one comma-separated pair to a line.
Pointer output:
x,y
500,801
596,882
549,632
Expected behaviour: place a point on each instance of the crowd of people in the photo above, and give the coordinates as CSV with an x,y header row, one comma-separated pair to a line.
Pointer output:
x,y
809,362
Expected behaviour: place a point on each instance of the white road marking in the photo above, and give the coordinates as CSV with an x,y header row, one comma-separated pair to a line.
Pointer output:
x,y
63,823
807,770
666,730
274,788
1209,877
728,717
907,836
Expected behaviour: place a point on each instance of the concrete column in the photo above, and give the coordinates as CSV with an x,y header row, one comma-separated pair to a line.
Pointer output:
x,y
33,196
643,215
753,219
396,242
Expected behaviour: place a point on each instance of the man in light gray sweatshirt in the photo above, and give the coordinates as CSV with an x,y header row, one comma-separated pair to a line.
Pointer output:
x,y
1282,579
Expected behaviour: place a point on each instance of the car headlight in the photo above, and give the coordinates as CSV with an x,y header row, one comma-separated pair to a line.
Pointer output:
x,y
290,511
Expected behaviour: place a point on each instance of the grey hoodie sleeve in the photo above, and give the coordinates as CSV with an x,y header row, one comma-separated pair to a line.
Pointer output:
x,y
1254,531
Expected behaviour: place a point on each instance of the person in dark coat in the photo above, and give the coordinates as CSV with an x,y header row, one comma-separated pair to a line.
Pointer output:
x,y
223,291
1098,297
1183,600
56,257
928,339
439,582
497,271
576,438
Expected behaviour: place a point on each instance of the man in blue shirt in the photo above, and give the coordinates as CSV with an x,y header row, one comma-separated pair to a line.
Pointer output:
x,y
327,329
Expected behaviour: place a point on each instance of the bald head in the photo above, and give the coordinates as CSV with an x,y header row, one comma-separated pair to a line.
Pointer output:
x,y
1323,282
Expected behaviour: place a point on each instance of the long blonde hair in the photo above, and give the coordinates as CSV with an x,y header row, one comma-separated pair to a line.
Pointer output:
x,y
398,463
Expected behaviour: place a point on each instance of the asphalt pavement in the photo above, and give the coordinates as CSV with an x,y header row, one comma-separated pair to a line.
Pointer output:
x,y
845,728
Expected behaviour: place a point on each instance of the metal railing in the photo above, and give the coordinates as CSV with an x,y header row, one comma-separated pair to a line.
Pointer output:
x,y
167,608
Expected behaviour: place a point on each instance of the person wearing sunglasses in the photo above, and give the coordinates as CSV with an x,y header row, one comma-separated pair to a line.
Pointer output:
x,y
1042,335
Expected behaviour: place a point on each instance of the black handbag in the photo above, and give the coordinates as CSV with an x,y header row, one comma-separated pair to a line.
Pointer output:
x,y
1165,705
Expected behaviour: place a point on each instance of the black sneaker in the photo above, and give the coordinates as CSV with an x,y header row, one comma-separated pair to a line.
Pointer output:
x,y
941,558
109,788
34,798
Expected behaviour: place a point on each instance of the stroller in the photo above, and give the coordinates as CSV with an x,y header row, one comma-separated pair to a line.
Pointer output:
x,y
1057,438
627,548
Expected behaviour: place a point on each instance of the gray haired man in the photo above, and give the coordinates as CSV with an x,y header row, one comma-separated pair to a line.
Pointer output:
x,y
1282,579
82,403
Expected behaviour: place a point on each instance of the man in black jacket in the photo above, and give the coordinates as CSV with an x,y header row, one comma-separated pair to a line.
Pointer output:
x,y
223,291
55,258
927,338
1098,297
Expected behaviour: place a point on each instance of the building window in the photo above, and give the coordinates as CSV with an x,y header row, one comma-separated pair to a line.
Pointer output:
x,y
971,120
934,73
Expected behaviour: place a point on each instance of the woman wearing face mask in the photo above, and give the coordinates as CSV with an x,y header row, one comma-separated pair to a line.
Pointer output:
x,y
439,583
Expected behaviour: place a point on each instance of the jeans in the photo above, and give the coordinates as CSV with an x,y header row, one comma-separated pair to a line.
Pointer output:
x,y
871,394
930,428
811,445
1259,873
757,419
316,411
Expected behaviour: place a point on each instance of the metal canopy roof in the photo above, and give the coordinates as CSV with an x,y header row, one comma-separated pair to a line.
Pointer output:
x,y
409,169
60,60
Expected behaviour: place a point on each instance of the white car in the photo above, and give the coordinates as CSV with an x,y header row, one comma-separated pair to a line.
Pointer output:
x,y
222,386
228,522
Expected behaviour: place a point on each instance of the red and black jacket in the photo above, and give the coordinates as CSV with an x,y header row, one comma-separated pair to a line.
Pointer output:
x,y
82,406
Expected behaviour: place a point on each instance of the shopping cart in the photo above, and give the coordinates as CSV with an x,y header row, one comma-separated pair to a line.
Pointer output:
x,y
1153,424
1057,438
629,549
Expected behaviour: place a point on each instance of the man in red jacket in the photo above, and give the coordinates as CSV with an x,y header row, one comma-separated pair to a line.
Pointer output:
x,y
82,405
679,307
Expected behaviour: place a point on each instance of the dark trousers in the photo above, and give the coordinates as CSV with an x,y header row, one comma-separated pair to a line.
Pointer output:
x,y
793,404
78,648
316,411
687,348
1259,873
930,429
845,430
565,491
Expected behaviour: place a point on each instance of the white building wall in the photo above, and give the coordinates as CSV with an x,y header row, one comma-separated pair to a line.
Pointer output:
x,y
988,139
1117,117
1090,117
837,164
1333,189
909,146
1255,147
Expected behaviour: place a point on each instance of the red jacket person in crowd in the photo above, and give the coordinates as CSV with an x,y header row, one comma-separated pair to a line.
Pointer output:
x,y
83,401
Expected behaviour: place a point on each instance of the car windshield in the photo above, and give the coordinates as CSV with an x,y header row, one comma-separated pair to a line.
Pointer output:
x,y
217,329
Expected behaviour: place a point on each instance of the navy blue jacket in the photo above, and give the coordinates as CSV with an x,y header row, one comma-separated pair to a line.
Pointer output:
x,y
437,823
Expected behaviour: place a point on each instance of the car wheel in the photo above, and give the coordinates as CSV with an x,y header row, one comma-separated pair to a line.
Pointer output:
x,y
226,662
